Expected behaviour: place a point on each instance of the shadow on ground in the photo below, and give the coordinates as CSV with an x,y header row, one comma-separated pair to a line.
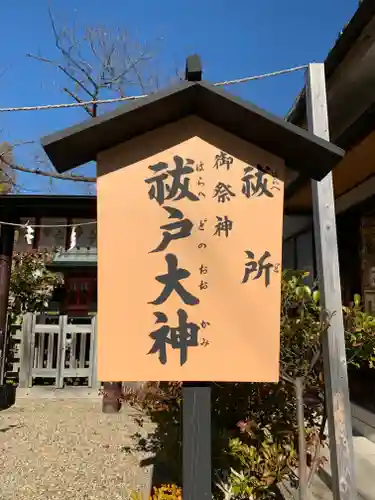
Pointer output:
x,y
166,464
163,444
10,427
7,396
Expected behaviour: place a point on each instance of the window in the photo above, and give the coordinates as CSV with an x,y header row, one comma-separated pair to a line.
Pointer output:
x,y
80,293
298,253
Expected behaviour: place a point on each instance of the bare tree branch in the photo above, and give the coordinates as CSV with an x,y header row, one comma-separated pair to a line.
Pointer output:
x,y
61,68
99,61
67,53
94,64
43,173
76,98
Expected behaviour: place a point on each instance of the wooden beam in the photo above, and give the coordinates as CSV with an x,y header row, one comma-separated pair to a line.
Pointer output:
x,y
193,71
6,250
335,366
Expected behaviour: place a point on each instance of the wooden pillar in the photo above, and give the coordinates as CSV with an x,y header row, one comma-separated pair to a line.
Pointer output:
x,y
334,353
6,250
196,441
26,358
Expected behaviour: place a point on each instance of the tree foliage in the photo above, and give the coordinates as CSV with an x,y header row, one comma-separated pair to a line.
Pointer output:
x,y
31,283
254,426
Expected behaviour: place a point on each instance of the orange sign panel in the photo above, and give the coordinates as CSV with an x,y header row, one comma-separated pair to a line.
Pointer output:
x,y
189,260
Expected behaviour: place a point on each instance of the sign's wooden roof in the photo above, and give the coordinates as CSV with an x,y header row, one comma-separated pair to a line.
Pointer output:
x,y
302,151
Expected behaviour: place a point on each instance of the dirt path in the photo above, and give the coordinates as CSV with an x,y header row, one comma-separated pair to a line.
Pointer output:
x,y
68,450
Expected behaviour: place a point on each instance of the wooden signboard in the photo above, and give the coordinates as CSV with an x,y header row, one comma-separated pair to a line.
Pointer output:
x,y
189,257
190,231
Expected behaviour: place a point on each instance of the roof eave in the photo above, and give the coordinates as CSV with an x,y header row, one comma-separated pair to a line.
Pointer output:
x,y
351,32
81,143
73,139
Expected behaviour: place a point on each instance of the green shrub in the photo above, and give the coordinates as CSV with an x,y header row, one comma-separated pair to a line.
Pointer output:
x,y
31,283
254,426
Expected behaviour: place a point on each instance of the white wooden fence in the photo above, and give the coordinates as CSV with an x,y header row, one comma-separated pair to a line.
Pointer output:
x,y
59,351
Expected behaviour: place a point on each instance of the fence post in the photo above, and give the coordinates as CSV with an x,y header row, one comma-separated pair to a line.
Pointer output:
x,y
26,355
60,361
93,379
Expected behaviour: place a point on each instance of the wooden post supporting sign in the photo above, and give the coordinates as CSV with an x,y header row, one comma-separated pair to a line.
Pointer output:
x,y
196,416
6,249
335,366
196,441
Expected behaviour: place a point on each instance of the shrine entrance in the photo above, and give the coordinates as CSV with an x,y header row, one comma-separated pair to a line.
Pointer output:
x,y
58,350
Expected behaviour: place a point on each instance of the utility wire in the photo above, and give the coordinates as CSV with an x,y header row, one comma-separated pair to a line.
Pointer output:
x,y
133,98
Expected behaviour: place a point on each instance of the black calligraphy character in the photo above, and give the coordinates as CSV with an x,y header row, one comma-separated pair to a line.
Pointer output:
x,y
203,285
183,226
276,268
223,159
205,342
201,224
200,194
180,184
205,324
259,267
223,192
171,282
199,168
272,173
224,225
181,337
161,191
275,184
257,188
159,188
203,269
200,182
202,245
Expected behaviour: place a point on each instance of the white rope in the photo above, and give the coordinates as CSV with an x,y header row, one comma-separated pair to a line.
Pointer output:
x,y
23,226
132,98
265,75
72,104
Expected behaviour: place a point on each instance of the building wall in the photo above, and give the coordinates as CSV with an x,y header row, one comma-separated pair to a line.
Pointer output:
x,y
78,295
354,212
298,253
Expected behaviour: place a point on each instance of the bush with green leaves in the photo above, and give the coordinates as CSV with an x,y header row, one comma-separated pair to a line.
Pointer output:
x,y
254,425
31,283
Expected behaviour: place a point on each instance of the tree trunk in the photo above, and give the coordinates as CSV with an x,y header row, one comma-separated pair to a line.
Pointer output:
x,y
111,398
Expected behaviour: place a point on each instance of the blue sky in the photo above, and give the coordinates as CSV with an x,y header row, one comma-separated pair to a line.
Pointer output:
x,y
235,38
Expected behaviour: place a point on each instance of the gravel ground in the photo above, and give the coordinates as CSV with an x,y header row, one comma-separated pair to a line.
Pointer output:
x,y
68,450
